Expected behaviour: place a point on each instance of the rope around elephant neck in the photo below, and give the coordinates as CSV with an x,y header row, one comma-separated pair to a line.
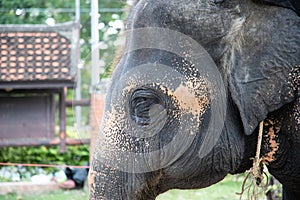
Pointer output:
x,y
256,172
256,168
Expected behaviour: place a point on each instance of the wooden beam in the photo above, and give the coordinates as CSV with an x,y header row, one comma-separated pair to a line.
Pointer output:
x,y
62,119
82,102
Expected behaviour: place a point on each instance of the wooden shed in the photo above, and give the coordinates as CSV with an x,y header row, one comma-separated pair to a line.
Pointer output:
x,y
38,63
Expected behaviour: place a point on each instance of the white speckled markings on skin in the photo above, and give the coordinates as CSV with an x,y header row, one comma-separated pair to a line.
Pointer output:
x,y
193,94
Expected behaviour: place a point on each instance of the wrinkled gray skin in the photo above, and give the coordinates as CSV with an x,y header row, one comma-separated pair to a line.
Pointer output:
x,y
256,47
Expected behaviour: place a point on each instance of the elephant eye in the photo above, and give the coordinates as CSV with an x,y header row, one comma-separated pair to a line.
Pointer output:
x,y
218,1
140,105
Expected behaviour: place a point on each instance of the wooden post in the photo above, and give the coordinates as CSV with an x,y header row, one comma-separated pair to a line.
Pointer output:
x,y
62,119
97,107
96,113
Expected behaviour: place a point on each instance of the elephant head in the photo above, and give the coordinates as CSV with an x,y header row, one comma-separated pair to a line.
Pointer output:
x,y
194,81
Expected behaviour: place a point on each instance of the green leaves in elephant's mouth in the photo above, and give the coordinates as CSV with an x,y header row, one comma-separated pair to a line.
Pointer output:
x,y
155,109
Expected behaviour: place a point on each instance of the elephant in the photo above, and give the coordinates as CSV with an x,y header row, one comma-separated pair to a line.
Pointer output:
x,y
193,82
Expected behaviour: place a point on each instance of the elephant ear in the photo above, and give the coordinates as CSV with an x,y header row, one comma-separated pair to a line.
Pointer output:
x,y
260,77
291,4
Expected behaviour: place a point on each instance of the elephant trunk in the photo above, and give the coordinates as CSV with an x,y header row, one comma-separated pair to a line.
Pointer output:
x,y
110,184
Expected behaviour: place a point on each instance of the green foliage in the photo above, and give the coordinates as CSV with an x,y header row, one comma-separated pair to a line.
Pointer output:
x,y
12,16
16,11
75,155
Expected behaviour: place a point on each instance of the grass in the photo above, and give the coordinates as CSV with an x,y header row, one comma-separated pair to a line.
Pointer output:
x,y
54,195
225,189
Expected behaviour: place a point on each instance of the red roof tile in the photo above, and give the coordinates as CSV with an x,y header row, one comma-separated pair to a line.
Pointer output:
x,y
30,56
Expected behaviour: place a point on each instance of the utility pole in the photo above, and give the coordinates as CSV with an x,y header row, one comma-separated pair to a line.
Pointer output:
x,y
78,87
95,76
95,73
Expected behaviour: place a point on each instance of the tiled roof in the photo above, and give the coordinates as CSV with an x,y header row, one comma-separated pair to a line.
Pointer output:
x,y
35,56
